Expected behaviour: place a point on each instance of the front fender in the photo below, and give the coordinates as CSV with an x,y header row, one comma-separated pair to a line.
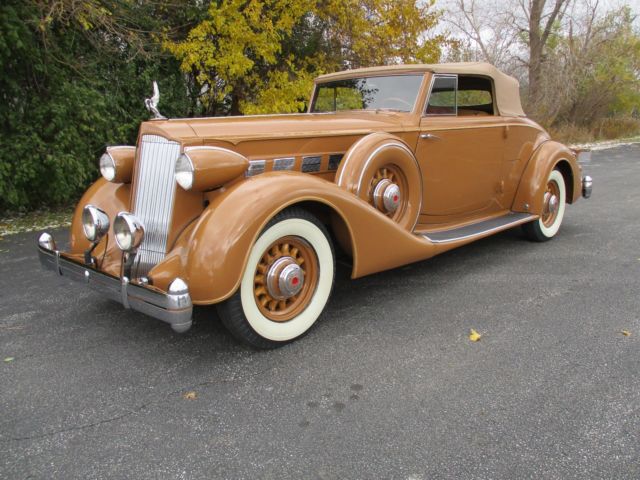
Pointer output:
x,y
112,198
545,158
212,252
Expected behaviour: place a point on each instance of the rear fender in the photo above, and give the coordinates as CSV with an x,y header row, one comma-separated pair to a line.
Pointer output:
x,y
212,252
550,155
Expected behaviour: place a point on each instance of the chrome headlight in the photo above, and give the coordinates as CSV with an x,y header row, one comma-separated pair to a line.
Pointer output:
x,y
128,231
116,163
95,223
184,171
107,167
205,168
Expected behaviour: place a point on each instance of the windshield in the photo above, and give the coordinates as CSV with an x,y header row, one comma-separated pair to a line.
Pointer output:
x,y
395,92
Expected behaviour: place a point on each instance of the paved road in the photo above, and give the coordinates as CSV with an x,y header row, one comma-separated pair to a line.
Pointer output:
x,y
386,386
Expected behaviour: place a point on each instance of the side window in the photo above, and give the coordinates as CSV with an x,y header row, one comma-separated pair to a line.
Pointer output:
x,y
442,100
475,96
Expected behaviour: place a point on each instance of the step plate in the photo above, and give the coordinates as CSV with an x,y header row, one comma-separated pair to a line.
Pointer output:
x,y
481,228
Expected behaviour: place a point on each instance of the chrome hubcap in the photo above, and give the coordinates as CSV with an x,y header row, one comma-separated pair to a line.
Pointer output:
x,y
387,196
285,278
551,202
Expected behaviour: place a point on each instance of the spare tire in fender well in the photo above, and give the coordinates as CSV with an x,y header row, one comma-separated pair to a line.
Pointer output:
x,y
373,153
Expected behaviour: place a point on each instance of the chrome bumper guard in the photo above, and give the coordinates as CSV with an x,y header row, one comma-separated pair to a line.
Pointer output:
x,y
587,186
174,307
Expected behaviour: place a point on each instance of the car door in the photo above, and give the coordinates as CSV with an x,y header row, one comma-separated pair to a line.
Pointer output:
x,y
460,152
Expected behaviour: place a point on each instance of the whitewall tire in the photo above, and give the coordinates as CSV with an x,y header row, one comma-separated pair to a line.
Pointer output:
x,y
554,204
267,311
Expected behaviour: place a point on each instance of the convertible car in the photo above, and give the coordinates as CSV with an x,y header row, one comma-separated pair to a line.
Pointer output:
x,y
390,164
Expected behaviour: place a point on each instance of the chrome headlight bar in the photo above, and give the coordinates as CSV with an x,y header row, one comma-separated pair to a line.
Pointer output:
x,y
128,231
95,223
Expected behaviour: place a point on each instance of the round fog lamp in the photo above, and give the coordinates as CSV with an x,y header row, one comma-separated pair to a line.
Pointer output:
x,y
95,223
184,171
107,167
128,231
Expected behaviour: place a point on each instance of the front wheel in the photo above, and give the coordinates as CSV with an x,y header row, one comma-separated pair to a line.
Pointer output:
x,y
553,206
286,283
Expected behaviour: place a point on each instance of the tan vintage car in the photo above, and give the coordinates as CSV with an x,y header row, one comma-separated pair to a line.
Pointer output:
x,y
391,165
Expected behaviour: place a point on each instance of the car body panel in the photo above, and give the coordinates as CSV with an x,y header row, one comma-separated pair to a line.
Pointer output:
x,y
468,169
235,130
461,165
237,216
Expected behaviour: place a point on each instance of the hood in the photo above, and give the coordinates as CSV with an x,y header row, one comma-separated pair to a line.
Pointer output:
x,y
237,129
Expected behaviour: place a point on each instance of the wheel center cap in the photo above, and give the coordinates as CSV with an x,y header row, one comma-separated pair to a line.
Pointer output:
x,y
386,196
285,278
551,202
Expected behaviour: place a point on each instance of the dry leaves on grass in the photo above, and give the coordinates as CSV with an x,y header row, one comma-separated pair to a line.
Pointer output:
x,y
190,395
474,336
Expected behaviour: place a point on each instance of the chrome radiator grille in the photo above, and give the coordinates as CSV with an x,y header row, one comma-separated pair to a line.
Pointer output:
x,y
153,203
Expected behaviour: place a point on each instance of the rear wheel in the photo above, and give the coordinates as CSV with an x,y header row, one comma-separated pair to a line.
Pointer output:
x,y
554,202
286,283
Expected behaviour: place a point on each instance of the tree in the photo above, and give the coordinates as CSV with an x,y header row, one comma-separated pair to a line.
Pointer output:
x,y
541,21
74,77
260,56
75,73
237,51
605,64
363,33
488,30
498,29
579,65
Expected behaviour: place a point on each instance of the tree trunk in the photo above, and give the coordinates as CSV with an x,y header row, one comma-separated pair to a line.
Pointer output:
x,y
538,37
235,103
535,49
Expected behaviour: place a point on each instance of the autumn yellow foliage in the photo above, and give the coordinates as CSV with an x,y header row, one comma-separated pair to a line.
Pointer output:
x,y
260,56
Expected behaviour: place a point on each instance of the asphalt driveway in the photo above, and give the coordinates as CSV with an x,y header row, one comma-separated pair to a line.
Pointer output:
x,y
387,385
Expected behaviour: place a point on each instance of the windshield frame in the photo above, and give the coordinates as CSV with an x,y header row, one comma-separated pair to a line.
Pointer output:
x,y
414,109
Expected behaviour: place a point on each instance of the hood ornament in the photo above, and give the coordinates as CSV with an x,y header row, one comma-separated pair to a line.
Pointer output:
x,y
152,103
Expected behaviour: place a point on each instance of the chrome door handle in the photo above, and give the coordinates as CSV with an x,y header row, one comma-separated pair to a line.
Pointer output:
x,y
429,136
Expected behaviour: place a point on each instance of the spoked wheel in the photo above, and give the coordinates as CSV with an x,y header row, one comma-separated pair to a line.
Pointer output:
x,y
286,283
388,191
286,278
554,202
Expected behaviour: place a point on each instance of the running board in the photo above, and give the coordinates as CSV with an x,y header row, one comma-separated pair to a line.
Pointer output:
x,y
492,225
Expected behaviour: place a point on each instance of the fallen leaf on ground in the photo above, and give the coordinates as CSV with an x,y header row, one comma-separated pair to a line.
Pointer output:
x,y
9,359
474,336
626,333
190,396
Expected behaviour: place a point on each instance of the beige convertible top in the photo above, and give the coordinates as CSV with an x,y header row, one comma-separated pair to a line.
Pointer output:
x,y
507,88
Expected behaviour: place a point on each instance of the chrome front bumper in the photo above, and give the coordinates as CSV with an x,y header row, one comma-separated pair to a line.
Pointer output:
x,y
173,307
587,186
